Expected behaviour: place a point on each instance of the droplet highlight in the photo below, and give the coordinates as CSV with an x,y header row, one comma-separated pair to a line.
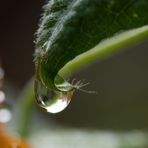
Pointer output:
x,y
50,100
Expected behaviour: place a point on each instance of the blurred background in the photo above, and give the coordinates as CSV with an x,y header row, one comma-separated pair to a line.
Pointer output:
x,y
121,80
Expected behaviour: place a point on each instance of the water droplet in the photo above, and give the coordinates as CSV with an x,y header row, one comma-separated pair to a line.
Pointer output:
x,y
50,100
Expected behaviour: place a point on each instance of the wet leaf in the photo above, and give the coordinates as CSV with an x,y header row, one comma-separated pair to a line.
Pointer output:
x,y
69,28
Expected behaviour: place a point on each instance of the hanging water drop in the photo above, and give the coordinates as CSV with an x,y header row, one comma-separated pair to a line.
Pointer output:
x,y
50,100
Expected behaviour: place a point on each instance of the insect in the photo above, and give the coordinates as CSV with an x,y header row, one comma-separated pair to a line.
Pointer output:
x,y
79,84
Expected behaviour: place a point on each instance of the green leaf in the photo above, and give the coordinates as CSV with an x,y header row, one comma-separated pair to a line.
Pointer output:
x,y
70,29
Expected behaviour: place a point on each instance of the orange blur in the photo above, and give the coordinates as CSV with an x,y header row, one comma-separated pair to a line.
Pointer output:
x,y
69,95
7,141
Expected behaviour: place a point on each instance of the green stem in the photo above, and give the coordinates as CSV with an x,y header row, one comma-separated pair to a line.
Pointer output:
x,y
23,109
105,48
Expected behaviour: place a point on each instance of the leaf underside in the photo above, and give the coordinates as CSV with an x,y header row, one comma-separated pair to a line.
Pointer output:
x,y
69,28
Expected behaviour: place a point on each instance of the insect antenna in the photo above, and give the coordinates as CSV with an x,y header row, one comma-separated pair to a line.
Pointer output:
x,y
79,86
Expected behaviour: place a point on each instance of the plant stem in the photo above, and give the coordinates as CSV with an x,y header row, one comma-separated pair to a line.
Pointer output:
x,y
23,109
105,48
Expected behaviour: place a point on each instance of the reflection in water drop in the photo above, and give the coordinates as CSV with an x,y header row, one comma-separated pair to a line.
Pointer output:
x,y
51,101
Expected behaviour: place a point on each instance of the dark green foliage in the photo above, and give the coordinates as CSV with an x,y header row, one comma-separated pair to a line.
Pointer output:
x,y
71,27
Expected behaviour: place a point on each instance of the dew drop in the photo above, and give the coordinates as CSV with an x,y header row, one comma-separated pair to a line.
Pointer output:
x,y
50,100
